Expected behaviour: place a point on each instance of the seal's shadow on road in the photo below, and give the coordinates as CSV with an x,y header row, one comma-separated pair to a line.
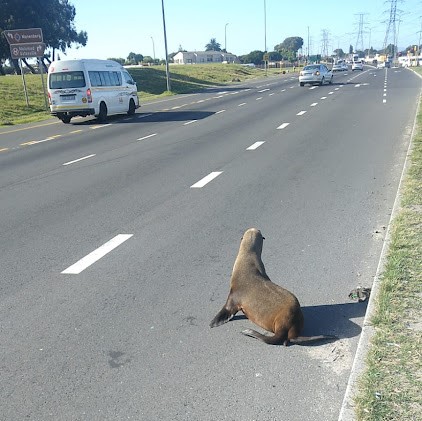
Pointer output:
x,y
334,319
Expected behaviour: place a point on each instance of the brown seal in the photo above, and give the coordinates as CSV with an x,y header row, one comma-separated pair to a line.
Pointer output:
x,y
268,305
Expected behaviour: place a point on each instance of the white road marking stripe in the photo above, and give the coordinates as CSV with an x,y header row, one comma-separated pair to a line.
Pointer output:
x,y
242,104
148,136
323,97
259,98
330,93
75,131
144,115
221,111
204,181
100,126
312,87
384,101
189,122
314,104
271,94
282,126
301,113
97,254
263,90
80,159
255,146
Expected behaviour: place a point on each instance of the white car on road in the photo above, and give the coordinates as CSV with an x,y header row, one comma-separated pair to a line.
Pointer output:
x,y
315,74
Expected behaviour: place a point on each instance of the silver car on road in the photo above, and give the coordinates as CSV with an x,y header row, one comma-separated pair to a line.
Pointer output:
x,y
315,74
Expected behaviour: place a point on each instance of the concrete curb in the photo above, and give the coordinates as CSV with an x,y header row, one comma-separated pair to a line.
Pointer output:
x,y
347,411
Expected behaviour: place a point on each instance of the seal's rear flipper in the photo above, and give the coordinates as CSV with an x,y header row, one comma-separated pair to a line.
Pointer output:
x,y
223,316
306,339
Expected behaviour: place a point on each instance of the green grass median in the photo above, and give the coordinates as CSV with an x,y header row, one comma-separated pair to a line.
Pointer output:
x,y
391,386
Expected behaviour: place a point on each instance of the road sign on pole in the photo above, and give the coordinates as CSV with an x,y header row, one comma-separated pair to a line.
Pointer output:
x,y
23,36
33,49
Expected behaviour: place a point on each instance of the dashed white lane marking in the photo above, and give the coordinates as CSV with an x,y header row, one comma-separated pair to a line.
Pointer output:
x,y
4,149
80,159
259,98
271,94
283,90
97,254
323,97
204,181
256,145
189,122
263,90
384,101
242,104
100,126
176,107
314,104
282,126
75,131
148,136
301,113
221,111
312,87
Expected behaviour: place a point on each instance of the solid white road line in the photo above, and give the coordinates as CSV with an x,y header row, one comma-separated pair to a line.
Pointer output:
x,y
97,254
204,181
189,122
282,126
80,159
255,146
146,137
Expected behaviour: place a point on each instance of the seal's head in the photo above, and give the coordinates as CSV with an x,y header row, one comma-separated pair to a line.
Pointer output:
x,y
252,241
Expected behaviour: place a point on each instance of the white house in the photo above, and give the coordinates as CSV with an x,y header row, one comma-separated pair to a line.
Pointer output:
x,y
199,57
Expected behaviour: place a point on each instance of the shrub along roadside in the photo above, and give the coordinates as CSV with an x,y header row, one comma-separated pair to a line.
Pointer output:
x,y
390,387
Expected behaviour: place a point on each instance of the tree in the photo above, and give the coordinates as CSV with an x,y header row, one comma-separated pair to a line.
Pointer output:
x,y
134,58
339,53
120,60
255,57
54,17
213,45
350,49
291,44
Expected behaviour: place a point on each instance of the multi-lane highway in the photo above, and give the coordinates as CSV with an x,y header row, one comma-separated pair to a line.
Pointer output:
x,y
118,241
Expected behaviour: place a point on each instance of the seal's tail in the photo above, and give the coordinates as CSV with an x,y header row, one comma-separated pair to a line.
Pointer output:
x,y
282,339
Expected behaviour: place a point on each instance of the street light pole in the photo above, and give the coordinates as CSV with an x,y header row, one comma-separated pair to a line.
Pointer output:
x,y
153,48
165,46
265,34
225,37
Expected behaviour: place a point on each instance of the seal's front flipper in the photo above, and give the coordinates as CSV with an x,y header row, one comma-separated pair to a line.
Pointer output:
x,y
223,316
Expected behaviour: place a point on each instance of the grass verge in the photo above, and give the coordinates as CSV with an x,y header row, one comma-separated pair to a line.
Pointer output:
x,y
390,388
151,82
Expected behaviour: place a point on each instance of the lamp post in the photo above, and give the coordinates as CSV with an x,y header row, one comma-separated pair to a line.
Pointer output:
x,y
225,37
265,35
153,48
165,46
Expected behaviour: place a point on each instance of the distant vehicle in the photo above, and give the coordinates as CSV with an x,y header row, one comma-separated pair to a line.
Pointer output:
x,y
340,66
357,65
315,74
90,87
383,64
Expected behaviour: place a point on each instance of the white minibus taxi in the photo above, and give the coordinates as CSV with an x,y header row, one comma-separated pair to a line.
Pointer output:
x,y
90,87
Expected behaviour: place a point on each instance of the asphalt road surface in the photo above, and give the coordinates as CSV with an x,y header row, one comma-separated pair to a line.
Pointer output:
x,y
118,241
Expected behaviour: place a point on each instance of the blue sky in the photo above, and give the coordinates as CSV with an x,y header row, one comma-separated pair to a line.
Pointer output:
x,y
137,25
